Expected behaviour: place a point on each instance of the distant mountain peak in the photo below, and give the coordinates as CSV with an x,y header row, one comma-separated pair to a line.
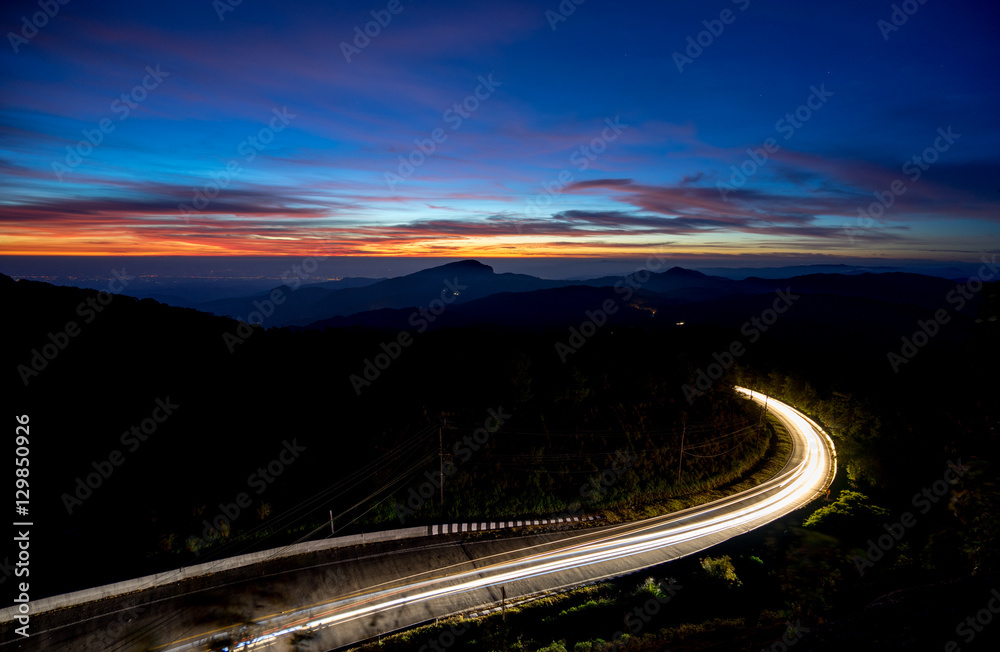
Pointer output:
x,y
460,267
680,271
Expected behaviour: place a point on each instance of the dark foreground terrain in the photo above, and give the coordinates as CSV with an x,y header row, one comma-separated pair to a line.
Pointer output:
x,y
165,436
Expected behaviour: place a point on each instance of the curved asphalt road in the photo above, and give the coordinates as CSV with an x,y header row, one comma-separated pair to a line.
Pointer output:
x,y
390,591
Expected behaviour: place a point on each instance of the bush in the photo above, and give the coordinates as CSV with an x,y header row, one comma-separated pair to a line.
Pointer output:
x,y
554,647
720,569
851,512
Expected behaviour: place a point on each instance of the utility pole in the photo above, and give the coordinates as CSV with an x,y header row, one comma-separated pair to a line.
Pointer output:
x,y
503,611
760,424
680,459
331,522
441,456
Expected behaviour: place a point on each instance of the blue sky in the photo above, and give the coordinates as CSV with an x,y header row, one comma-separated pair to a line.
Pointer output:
x,y
501,129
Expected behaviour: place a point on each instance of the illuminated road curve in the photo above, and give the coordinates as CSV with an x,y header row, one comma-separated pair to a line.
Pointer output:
x,y
334,598
552,562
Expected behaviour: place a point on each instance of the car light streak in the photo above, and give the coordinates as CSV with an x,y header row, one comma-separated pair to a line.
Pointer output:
x,y
809,471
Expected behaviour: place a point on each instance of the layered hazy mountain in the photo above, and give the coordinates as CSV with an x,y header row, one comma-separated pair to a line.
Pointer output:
x,y
474,293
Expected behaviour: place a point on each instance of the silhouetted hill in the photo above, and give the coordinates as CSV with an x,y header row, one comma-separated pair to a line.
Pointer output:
x,y
364,409
894,287
959,271
346,282
462,282
458,282
240,393
675,284
298,301
241,398
539,309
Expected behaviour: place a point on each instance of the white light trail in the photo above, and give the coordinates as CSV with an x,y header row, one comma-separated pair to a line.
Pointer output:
x,y
811,469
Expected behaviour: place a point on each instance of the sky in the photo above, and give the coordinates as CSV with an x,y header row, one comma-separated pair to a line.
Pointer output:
x,y
748,131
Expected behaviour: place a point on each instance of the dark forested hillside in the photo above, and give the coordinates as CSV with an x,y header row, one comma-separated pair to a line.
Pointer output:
x,y
149,421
